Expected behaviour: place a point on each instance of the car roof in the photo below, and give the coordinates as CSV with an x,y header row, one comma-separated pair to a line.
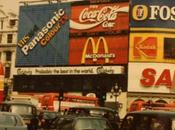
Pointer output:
x,y
8,113
153,112
93,108
48,111
18,103
80,116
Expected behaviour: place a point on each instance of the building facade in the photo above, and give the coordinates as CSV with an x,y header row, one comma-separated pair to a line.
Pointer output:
x,y
8,40
151,52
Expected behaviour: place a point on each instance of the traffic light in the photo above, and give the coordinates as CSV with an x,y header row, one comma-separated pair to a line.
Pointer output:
x,y
61,96
5,92
103,97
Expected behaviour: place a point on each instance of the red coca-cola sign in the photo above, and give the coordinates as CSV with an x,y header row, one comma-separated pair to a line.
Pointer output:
x,y
100,17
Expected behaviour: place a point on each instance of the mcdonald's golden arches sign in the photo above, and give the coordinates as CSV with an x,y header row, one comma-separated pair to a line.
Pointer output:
x,y
98,50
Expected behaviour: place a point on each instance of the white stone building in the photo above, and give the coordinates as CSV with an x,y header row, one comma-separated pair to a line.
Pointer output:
x,y
8,40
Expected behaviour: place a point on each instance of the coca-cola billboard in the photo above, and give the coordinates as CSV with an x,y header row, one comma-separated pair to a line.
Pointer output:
x,y
93,19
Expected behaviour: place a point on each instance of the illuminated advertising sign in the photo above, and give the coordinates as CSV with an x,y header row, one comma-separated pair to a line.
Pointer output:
x,y
99,50
150,47
94,55
146,46
43,35
100,17
151,77
69,70
151,13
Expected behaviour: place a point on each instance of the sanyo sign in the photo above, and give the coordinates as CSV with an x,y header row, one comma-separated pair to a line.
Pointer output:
x,y
153,12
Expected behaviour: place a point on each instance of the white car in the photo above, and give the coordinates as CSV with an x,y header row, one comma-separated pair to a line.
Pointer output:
x,y
11,121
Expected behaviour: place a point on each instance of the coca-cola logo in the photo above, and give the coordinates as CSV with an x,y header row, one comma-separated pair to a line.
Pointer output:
x,y
93,16
107,13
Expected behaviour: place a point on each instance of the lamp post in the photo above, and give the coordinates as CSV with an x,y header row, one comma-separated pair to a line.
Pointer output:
x,y
115,92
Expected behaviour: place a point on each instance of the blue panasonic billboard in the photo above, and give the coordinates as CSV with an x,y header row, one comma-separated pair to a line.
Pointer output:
x,y
43,38
152,13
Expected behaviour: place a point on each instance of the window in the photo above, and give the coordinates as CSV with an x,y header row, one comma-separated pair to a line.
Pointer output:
x,y
169,48
128,123
7,72
0,56
2,23
0,38
12,22
9,38
64,124
8,56
21,109
18,121
7,120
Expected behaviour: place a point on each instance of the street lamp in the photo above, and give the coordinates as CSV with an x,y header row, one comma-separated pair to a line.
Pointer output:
x,y
115,92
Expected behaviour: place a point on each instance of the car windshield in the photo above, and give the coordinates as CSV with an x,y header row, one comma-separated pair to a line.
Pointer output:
x,y
7,120
21,109
91,124
148,122
50,115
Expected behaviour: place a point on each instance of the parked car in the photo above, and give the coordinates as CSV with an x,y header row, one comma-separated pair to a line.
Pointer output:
x,y
74,122
149,120
108,113
11,121
25,109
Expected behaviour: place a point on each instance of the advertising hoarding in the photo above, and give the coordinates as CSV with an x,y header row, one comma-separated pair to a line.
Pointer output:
x,y
92,19
44,41
151,47
71,70
151,77
153,13
99,50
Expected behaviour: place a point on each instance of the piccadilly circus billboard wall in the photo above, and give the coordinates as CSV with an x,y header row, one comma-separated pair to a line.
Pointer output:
x,y
57,34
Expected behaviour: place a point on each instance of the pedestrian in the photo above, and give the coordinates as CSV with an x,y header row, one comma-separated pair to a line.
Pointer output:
x,y
41,120
34,123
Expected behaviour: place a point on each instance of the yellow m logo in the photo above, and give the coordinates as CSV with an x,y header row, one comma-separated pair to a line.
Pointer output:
x,y
95,48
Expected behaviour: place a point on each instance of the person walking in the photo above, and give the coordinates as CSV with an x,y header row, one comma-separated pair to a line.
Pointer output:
x,y
34,123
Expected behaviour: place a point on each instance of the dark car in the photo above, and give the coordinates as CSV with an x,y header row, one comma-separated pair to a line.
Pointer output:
x,y
149,120
48,117
108,113
73,122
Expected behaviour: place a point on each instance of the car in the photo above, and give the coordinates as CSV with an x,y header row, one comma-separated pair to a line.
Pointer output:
x,y
74,122
11,121
149,120
25,109
108,113
48,117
